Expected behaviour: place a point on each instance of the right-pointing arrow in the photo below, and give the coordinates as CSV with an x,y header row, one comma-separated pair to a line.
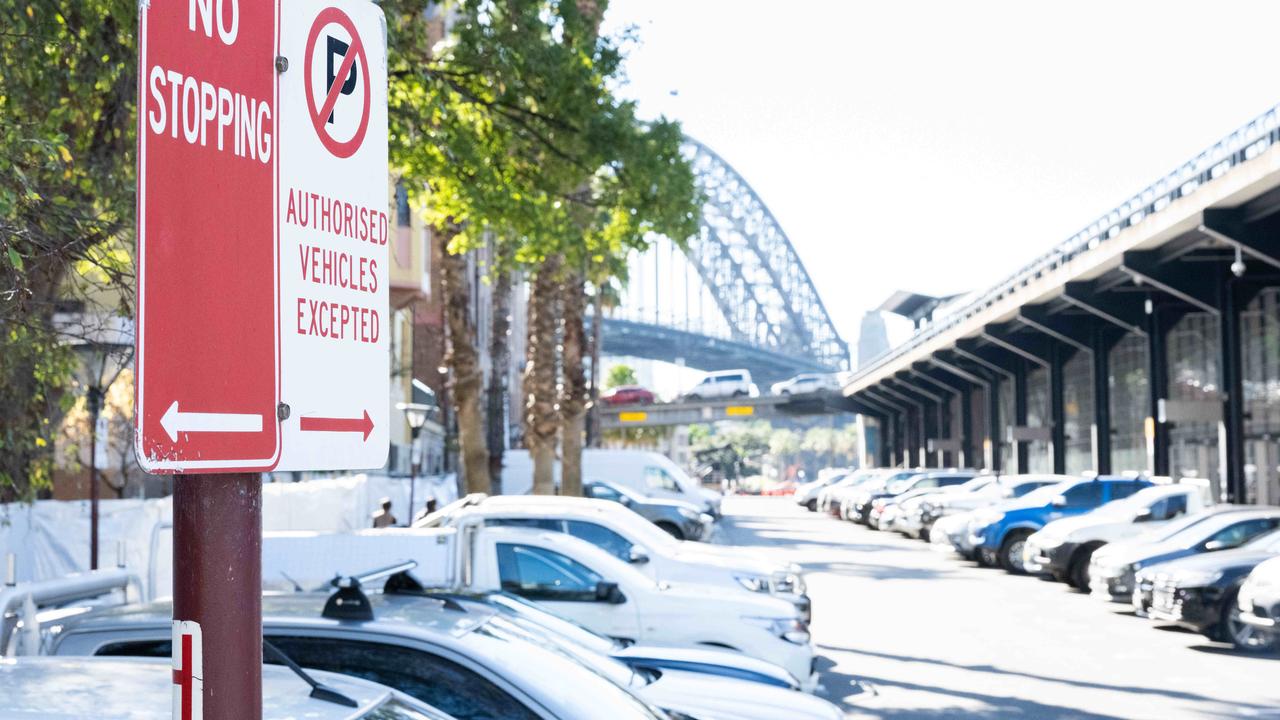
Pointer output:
x,y
174,421
363,425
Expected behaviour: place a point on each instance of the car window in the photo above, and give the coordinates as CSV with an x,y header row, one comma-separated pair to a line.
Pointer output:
x,y
1086,494
541,574
537,523
1242,532
925,483
603,492
953,480
1125,489
440,683
434,680
1169,507
602,537
656,478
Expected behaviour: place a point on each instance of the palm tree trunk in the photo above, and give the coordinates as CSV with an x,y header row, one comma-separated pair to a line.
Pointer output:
x,y
573,399
465,376
500,359
541,421
593,417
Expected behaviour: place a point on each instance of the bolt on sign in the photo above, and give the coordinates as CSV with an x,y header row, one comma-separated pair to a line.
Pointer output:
x,y
262,236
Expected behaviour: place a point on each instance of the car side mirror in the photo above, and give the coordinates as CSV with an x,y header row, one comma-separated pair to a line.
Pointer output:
x,y
1143,515
624,501
1213,545
610,593
1060,501
637,556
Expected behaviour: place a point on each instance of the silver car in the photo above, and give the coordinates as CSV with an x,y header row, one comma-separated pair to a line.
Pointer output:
x,y
681,520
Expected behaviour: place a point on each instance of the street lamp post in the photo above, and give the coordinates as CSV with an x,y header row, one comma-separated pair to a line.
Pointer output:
x,y
103,360
415,414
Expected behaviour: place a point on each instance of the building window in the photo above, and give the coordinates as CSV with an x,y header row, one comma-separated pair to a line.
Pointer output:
x,y
1039,460
1192,349
1077,412
1130,403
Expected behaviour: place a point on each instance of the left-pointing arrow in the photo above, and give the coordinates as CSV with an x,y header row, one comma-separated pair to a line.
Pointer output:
x,y
175,422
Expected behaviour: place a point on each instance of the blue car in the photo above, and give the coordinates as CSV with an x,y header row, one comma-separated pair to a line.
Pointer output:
x,y
999,533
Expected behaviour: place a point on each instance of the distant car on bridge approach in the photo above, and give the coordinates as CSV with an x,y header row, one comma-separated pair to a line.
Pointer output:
x,y
807,383
629,395
722,384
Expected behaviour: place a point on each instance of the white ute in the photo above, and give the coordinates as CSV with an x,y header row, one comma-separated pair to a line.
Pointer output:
x,y
632,539
568,576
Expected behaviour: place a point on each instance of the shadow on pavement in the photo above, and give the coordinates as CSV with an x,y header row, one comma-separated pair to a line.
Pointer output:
x,y
876,571
1254,709
996,706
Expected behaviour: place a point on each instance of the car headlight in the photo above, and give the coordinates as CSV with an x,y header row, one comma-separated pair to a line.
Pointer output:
x,y
706,518
789,629
1048,543
688,514
983,518
1196,578
754,583
788,583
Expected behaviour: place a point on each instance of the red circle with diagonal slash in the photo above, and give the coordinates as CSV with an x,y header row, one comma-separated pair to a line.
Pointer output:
x,y
319,114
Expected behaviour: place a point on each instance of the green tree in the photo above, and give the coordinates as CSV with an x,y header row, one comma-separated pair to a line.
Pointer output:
x,y
620,375
67,97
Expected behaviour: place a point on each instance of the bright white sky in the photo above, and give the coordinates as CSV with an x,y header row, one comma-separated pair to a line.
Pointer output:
x,y
935,145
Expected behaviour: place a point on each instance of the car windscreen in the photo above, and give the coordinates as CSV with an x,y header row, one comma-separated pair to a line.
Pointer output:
x,y
1044,495
895,487
1267,542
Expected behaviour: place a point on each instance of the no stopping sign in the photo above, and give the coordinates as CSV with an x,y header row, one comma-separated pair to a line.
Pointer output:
x,y
336,77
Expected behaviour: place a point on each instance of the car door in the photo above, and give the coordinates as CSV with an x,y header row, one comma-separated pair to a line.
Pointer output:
x,y
565,587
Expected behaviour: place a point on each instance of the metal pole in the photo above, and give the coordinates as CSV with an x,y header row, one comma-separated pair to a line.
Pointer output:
x,y
413,470
217,584
967,454
1020,450
1233,386
1057,411
1103,340
1157,386
95,407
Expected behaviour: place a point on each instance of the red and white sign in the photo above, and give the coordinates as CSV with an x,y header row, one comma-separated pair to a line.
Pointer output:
x,y
263,337
188,670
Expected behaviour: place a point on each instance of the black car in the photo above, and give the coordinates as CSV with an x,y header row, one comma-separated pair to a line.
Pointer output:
x,y
1200,592
866,503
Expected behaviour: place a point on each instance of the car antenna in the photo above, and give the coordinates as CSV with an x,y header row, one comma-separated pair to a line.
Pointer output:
x,y
319,690
296,586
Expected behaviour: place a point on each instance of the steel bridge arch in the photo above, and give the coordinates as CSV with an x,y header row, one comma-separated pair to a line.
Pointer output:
x,y
748,264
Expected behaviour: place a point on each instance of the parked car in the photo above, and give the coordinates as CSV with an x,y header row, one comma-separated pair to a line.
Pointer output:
x,y
1201,592
679,519
632,540
1115,569
1259,601
722,384
709,661
628,395
807,384
829,496
1064,548
873,505
649,473
912,519
570,577
999,533
848,497
806,494
950,514
469,663
122,688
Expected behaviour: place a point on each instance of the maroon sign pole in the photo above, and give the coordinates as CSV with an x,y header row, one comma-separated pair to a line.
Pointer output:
x,y
217,583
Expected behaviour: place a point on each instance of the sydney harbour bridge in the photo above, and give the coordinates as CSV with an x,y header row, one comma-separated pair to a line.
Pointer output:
x,y
736,296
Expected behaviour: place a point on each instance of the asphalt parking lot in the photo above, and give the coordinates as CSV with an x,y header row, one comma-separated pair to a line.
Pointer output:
x,y
904,631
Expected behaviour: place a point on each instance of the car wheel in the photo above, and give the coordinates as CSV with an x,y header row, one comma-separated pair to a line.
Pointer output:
x,y
984,557
739,393
693,397
1240,634
670,529
812,505
1078,573
1011,552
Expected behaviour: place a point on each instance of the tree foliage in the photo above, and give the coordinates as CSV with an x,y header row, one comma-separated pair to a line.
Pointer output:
x,y
67,97
619,375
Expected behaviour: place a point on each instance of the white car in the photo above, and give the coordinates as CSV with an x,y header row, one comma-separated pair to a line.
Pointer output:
x,y
807,383
1064,548
722,384
648,473
590,586
806,495
631,539
949,516
119,688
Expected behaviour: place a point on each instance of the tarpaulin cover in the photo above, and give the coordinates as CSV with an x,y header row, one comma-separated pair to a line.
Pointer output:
x,y
50,538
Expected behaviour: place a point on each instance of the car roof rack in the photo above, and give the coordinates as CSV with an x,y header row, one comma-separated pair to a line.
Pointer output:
x,y
402,583
348,602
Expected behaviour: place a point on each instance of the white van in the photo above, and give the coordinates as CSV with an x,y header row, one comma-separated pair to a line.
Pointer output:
x,y
722,384
648,473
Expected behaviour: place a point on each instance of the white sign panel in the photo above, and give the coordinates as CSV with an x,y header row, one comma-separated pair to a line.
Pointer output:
x,y
334,229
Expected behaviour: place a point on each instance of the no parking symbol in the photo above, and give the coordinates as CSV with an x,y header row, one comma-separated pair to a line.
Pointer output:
x,y
341,130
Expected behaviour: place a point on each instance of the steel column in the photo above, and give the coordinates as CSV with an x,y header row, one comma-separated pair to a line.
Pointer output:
x,y
1103,341
1157,386
1057,411
966,430
1020,449
994,436
1233,396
